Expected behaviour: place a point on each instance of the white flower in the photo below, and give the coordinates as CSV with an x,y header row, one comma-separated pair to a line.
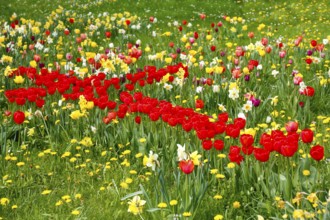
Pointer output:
x,y
178,82
121,31
268,119
275,73
222,108
250,47
259,67
316,60
325,41
111,45
216,88
201,64
168,86
93,129
138,42
182,155
54,34
152,160
233,93
247,106
199,89
183,56
39,46
175,23
189,25
154,34
241,115
302,86
49,40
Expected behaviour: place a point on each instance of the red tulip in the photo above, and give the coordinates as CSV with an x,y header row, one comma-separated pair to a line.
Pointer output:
x,y
219,144
288,150
187,126
291,126
196,35
7,113
36,57
246,140
40,103
308,61
232,130
264,41
234,154
248,150
240,122
307,135
187,166
234,150
108,34
308,91
199,103
251,35
223,117
313,43
19,117
317,152
219,127
111,116
66,31
261,154
137,119
207,144
239,51
202,16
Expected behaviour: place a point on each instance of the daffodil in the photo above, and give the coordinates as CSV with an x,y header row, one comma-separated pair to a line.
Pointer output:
x,y
136,205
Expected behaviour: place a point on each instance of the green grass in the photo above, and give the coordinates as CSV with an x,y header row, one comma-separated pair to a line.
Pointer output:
x,y
100,179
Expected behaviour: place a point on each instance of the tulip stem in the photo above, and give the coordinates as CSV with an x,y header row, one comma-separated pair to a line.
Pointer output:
x,y
187,192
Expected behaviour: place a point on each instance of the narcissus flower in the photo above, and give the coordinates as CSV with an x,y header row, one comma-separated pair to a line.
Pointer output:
x,y
136,205
151,161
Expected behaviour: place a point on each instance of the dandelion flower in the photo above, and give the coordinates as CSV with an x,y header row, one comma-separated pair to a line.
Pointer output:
x,y
236,204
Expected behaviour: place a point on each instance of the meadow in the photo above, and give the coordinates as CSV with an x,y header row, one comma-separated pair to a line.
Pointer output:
x,y
164,110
